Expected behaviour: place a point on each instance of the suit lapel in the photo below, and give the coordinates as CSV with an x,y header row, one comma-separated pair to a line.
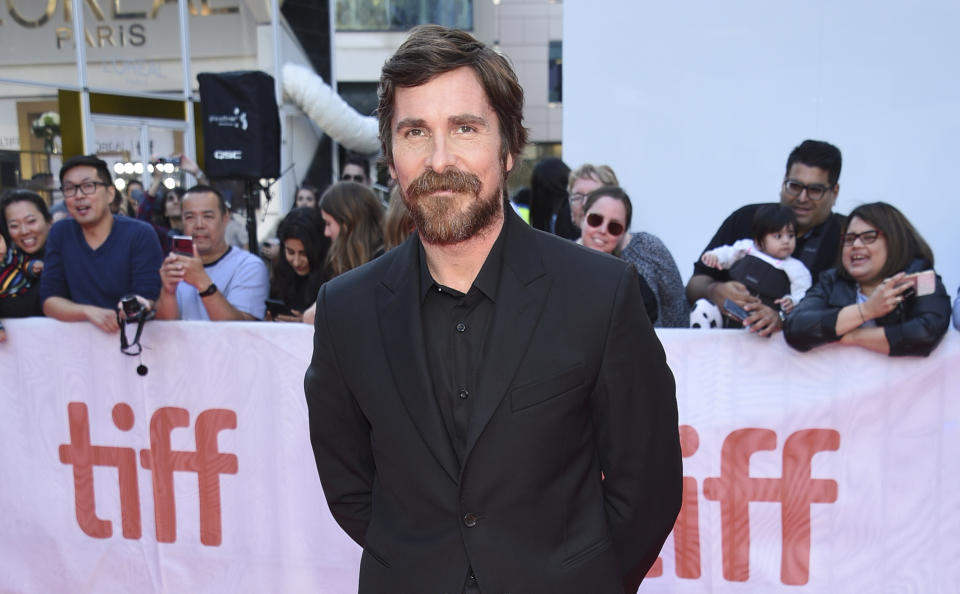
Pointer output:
x,y
398,308
521,296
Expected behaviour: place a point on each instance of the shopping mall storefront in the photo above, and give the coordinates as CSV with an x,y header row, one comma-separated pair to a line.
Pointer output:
x,y
129,92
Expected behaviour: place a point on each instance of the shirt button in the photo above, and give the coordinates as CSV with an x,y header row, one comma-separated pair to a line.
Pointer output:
x,y
463,394
470,520
461,327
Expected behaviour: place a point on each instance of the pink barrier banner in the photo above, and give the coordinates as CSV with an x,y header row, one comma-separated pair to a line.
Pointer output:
x,y
829,471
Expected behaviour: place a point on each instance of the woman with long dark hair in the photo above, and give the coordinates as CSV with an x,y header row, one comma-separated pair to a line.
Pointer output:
x,y
300,269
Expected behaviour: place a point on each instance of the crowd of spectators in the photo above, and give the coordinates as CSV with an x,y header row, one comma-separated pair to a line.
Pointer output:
x,y
865,279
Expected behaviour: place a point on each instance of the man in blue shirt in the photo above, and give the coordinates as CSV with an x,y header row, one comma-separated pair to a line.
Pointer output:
x,y
95,258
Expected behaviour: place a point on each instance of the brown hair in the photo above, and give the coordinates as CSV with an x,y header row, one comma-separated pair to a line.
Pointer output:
x,y
398,223
601,173
904,243
432,50
360,215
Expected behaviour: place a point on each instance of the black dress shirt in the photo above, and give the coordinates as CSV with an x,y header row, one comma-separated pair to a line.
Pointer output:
x,y
455,329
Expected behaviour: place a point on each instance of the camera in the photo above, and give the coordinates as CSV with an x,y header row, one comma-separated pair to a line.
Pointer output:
x,y
133,310
174,160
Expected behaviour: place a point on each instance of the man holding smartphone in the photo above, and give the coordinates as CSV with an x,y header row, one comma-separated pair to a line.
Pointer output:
x,y
216,281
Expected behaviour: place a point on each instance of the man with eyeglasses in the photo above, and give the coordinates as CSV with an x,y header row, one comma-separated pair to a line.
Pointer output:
x,y
810,188
95,258
582,181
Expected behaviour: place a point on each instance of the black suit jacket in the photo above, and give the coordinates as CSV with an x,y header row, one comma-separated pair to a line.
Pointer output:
x,y
574,386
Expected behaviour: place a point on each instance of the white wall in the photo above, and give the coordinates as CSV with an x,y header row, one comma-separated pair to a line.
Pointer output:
x,y
696,107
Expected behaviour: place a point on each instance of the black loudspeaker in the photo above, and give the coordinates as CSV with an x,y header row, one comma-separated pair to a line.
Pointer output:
x,y
241,124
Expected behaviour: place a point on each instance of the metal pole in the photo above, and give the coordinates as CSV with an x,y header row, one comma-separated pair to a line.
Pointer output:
x,y
285,149
334,145
89,141
190,139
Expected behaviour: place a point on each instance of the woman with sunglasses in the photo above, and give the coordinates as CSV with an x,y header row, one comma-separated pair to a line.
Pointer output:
x,y
873,298
648,254
607,217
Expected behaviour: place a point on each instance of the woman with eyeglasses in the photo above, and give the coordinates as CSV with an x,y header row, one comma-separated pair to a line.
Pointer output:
x,y
883,295
607,211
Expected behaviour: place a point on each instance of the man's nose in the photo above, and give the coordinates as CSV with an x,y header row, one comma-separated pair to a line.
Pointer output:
x,y
441,154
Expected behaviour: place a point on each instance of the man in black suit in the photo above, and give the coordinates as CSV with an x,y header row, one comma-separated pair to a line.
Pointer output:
x,y
490,409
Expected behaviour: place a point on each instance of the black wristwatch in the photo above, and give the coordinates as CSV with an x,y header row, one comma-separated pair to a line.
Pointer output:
x,y
208,291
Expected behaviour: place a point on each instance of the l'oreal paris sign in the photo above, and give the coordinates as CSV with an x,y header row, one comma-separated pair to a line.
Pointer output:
x,y
42,32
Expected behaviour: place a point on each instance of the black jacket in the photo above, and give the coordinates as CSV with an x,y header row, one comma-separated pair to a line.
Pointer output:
x,y
915,327
574,383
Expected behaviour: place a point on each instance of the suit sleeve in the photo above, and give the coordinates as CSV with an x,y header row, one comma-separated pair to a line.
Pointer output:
x,y
339,432
636,418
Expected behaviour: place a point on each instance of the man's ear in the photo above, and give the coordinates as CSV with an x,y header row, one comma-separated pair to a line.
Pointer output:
x,y
836,192
509,163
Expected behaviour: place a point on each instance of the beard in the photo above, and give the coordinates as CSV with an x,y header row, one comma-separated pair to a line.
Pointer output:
x,y
446,220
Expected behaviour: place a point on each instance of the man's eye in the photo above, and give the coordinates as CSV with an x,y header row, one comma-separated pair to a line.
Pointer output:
x,y
466,128
414,132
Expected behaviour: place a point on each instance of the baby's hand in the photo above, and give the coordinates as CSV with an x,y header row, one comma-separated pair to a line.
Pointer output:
x,y
711,260
786,304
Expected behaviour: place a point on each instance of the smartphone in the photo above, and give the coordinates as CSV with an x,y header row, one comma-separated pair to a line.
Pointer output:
x,y
735,311
183,245
922,283
174,160
277,307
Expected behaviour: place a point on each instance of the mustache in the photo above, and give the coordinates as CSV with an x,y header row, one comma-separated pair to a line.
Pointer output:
x,y
449,180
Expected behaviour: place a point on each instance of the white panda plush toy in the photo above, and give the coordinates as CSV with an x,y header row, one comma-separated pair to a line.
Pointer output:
x,y
705,315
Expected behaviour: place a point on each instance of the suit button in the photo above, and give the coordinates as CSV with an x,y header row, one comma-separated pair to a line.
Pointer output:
x,y
463,394
461,327
470,520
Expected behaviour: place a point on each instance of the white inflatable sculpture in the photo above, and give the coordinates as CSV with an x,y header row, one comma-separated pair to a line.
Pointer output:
x,y
329,112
